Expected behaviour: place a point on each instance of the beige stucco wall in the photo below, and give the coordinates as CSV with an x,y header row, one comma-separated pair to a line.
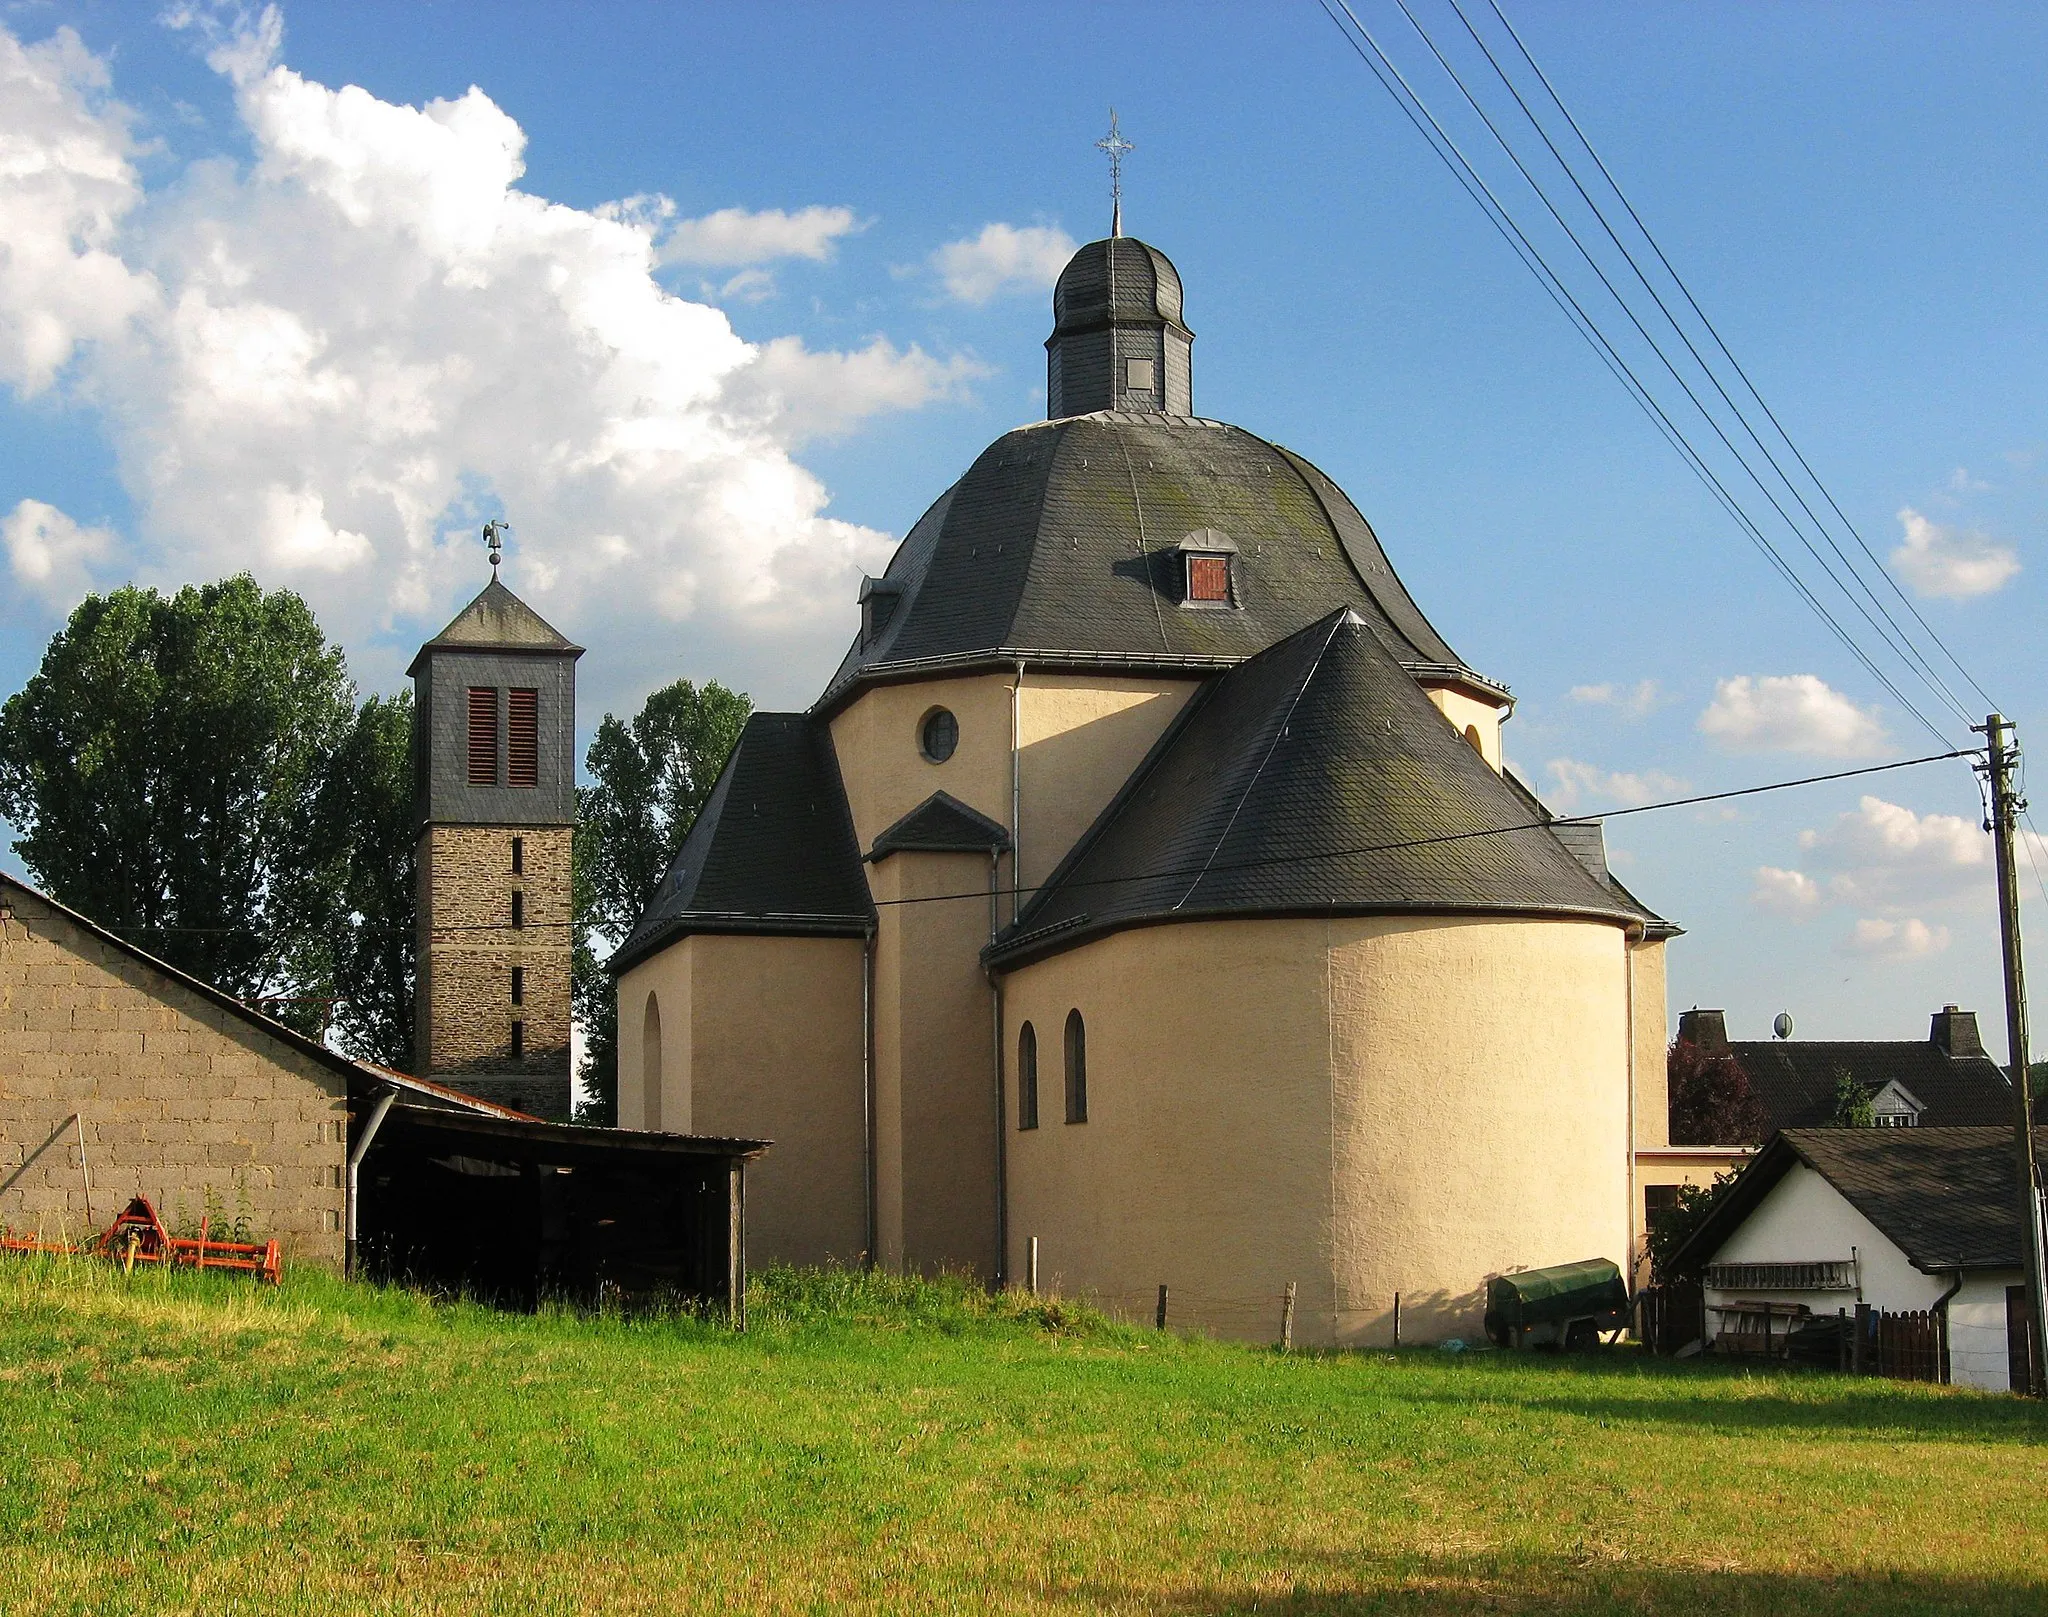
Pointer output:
x,y
1205,1160
1329,1102
1079,738
1467,712
761,1038
1081,735
1480,1111
935,1097
1653,1092
178,1097
886,776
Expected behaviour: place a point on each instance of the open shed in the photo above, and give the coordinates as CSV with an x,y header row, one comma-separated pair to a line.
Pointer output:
x,y
514,1210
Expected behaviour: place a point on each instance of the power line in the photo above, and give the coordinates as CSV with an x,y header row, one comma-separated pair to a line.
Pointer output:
x,y
1270,860
1713,331
1448,151
1892,630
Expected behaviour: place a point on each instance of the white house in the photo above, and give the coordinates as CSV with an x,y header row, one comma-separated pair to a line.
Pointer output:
x,y
1904,1219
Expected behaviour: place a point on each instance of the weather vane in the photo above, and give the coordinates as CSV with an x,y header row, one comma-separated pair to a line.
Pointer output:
x,y
1115,145
494,530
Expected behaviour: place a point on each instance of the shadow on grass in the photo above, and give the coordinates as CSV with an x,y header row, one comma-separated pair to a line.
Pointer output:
x,y
1749,1399
1565,1586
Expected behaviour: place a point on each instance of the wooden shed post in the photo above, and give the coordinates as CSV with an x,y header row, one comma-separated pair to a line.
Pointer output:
x,y
736,1244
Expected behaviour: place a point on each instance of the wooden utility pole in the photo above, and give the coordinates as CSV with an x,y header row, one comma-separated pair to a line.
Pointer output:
x,y
2001,752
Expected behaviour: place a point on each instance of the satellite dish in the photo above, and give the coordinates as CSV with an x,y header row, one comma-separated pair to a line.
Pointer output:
x,y
1782,1025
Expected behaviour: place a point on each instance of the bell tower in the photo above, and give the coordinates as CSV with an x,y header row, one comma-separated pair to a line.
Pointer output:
x,y
495,794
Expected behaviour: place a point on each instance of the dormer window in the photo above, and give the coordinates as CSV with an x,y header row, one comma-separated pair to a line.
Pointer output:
x,y
878,598
1895,1107
1208,559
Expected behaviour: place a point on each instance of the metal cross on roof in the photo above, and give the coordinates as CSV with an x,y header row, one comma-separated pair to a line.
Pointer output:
x,y
1115,145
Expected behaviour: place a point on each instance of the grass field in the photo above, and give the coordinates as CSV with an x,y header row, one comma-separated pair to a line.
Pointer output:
x,y
188,1444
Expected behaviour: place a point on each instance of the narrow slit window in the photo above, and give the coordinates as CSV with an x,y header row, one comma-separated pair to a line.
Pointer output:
x,y
518,909
1077,1069
519,856
518,1040
483,735
518,985
522,738
1209,578
1027,1077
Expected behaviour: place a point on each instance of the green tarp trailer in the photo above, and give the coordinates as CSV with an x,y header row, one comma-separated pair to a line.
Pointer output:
x,y
1567,1304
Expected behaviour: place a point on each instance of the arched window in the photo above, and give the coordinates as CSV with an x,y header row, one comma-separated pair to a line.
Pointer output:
x,y
1472,735
1027,1077
1077,1069
650,1066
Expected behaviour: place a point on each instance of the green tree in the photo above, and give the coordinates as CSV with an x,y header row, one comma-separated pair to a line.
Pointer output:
x,y
649,779
1852,1109
366,832
162,766
1672,1226
1710,1100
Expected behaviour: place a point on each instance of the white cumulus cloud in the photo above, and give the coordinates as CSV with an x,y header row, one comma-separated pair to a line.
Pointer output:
x,y
1630,701
1575,786
330,364
1911,939
1952,563
1003,258
50,555
66,184
1790,713
1883,855
1785,892
733,237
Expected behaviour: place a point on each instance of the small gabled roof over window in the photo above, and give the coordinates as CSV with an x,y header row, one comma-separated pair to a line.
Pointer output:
x,y
941,824
1895,1106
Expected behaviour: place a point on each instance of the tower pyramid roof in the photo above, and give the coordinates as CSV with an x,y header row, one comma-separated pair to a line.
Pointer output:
x,y
497,620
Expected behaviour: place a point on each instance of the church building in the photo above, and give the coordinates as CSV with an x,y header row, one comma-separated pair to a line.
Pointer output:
x,y
1146,892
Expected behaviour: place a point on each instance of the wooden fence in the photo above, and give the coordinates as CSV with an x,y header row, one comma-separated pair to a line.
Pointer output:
x,y
1908,1345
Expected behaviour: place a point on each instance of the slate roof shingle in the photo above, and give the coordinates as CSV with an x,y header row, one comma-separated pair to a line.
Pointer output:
x,y
941,824
1795,1079
497,620
1314,778
1947,1198
773,850
1061,543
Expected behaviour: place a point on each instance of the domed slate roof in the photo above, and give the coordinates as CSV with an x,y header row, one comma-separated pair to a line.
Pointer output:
x,y
1062,545
1117,280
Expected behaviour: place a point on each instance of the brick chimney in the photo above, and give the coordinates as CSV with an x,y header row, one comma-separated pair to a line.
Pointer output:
x,y
1956,1032
1709,1029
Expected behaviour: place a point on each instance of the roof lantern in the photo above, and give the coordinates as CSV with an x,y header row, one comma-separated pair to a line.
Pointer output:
x,y
1118,341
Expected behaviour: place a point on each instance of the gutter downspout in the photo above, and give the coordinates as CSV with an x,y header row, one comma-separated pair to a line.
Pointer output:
x,y
1941,1308
360,1150
995,1001
867,1088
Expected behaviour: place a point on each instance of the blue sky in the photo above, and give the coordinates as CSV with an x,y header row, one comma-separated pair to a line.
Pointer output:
x,y
741,316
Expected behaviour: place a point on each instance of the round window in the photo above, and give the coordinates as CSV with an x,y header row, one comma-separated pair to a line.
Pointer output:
x,y
938,735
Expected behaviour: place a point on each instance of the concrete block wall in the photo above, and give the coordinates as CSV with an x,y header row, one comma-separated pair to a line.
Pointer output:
x,y
177,1096
470,948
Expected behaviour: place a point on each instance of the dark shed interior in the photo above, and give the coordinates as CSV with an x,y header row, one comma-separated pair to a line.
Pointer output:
x,y
513,1211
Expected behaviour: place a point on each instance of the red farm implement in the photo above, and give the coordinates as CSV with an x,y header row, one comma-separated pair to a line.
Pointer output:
x,y
139,1236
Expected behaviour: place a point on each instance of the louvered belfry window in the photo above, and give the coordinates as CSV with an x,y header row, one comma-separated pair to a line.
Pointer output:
x,y
522,738
483,735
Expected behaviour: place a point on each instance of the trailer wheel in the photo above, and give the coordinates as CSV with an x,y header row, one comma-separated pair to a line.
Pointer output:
x,y
1581,1336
